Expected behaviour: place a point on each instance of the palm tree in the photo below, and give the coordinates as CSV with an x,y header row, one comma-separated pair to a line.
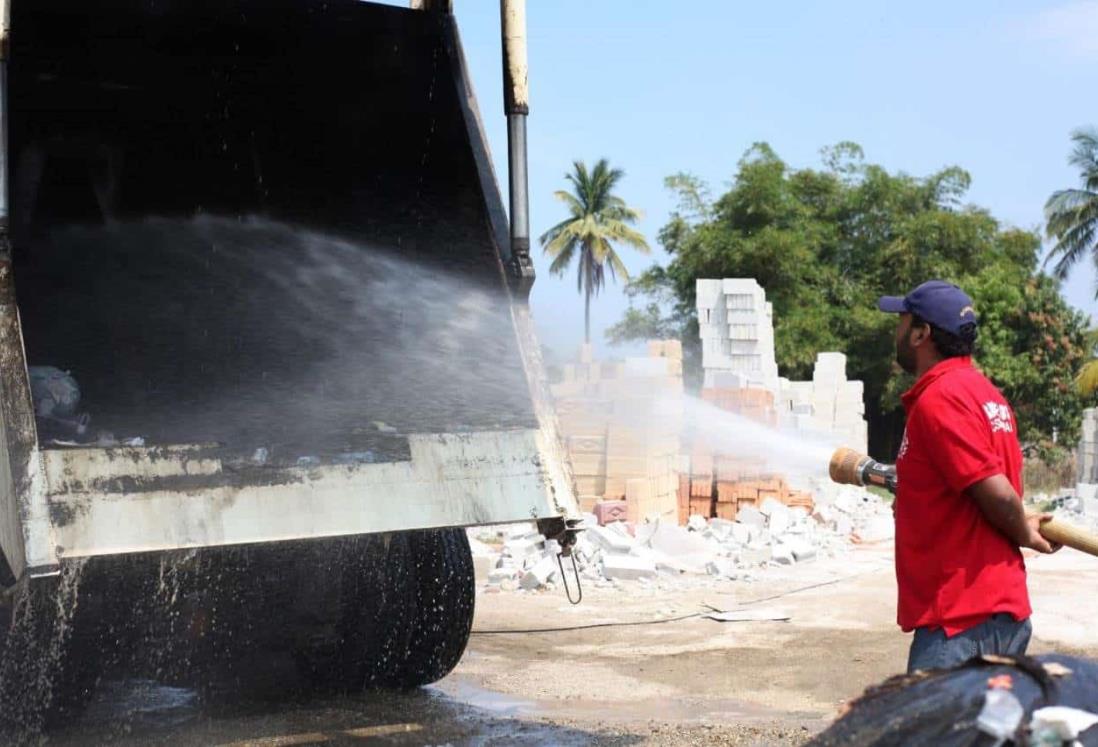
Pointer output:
x,y
1087,378
1072,214
597,220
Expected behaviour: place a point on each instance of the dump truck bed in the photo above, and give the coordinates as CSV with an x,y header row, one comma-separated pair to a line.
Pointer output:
x,y
266,241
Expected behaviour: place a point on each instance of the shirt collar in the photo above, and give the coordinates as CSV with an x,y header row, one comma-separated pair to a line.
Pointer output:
x,y
937,371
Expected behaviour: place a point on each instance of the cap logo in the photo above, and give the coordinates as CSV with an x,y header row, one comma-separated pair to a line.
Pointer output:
x,y
967,310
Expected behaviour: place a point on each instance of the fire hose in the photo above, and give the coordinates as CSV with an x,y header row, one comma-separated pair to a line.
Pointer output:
x,y
848,467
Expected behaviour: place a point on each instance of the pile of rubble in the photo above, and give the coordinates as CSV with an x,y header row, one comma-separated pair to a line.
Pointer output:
x,y
517,557
1080,507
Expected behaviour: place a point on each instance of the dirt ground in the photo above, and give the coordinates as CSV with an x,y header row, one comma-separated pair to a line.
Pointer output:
x,y
702,681
692,681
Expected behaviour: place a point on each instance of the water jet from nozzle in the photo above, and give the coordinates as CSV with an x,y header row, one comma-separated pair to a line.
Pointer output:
x,y
848,467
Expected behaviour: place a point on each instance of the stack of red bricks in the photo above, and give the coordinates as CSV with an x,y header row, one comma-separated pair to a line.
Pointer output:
x,y
757,404
719,485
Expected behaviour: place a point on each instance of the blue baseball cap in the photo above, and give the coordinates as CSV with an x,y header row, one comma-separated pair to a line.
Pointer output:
x,y
942,304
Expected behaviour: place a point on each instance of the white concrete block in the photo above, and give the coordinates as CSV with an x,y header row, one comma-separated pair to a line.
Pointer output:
x,y
742,534
540,573
524,547
721,528
608,539
627,567
678,542
802,549
751,516
721,567
1086,491
877,529
782,554
498,575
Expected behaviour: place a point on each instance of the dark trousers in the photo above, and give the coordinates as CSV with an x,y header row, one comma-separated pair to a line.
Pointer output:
x,y
1000,634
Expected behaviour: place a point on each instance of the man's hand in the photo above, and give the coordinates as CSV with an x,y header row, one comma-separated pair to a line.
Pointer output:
x,y
1002,507
1035,541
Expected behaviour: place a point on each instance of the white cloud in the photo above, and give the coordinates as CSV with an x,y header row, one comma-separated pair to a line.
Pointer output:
x,y
1072,28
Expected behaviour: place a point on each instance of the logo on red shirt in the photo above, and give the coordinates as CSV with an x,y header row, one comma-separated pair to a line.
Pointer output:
x,y
999,417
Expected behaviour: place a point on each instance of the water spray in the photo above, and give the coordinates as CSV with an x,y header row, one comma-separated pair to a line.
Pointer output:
x,y
848,467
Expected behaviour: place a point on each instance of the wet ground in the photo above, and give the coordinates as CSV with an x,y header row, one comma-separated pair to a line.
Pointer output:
x,y
139,712
691,682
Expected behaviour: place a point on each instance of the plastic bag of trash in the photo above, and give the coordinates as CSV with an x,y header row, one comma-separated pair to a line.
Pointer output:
x,y
55,392
942,707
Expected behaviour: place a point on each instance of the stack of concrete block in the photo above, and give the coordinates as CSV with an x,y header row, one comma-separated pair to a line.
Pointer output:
x,y
1086,458
736,326
621,422
838,404
830,404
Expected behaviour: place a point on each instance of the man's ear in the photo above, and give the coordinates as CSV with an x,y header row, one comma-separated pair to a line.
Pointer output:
x,y
918,334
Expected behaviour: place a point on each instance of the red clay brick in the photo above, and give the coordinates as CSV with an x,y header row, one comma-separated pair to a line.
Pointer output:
x,y
609,511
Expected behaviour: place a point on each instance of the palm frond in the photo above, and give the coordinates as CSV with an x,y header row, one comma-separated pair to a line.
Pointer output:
x,y
1071,247
1087,379
569,199
564,258
618,231
1085,155
553,234
617,267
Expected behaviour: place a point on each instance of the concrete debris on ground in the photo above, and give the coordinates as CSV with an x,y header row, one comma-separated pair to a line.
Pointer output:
x,y
1078,506
516,557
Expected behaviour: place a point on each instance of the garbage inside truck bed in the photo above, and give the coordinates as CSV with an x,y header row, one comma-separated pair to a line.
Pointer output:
x,y
308,286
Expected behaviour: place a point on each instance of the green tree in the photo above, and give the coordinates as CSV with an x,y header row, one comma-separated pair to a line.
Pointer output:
x,y
1072,214
825,243
597,220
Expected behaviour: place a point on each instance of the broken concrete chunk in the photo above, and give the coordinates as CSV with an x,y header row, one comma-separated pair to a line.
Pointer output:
x,y
782,554
755,555
627,567
524,548
696,523
722,567
801,549
877,529
610,540
540,573
499,575
742,533
622,528
771,505
751,516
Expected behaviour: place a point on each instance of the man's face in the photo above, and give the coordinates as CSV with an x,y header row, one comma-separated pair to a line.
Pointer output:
x,y
905,349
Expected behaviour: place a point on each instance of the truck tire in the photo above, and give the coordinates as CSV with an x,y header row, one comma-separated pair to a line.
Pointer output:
x,y
445,591
405,611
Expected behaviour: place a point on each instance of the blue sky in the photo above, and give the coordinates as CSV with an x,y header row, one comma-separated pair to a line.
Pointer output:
x,y
661,87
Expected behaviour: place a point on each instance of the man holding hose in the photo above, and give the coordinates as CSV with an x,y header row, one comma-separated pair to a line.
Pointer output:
x,y
959,516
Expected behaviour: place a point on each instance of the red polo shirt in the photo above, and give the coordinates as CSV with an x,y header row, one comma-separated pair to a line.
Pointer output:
x,y
953,568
